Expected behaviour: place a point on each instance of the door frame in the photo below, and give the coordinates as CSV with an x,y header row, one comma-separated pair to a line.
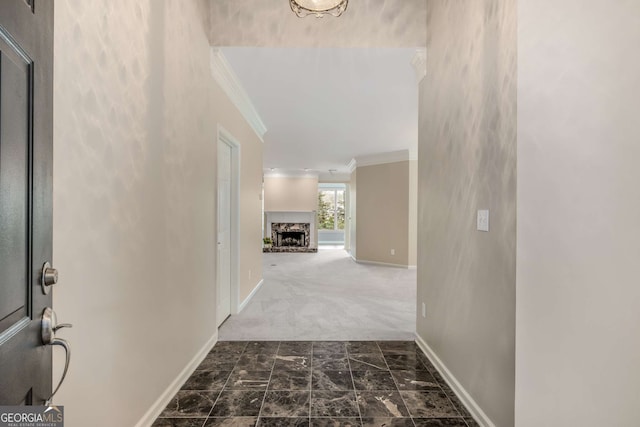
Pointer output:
x,y
225,137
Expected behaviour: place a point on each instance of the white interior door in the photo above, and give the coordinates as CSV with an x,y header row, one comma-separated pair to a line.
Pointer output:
x,y
224,233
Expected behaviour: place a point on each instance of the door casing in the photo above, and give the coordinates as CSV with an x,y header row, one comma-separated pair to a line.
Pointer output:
x,y
225,137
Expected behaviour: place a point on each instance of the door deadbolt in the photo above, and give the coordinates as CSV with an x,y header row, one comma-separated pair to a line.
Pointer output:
x,y
48,278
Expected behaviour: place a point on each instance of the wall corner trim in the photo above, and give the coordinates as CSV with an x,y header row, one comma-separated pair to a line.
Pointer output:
x,y
419,63
163,400
250,296
231,85
478,414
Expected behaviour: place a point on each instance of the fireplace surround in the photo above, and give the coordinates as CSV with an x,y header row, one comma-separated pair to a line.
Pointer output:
x,y
291,237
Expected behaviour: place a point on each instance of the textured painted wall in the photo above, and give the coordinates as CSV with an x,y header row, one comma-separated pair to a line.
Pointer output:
x,y
578,321
366,23
134,199
467,161
383,213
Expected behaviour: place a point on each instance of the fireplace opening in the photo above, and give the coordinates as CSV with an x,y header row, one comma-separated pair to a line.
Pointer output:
x,y
291,238
290,235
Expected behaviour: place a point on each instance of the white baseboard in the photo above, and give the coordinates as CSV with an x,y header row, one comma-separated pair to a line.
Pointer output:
x,y
466,399
412,267
384,264
244,303
158,406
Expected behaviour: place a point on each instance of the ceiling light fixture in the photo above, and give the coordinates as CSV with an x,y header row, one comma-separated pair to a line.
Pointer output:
x,y
318,8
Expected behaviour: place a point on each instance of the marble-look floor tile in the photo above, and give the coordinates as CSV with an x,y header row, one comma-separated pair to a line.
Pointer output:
x,y
290,380
439,422
415,380
238,403
425,361
441,382
295,348
248,380
471,422
292,363
178,422
229,347
381,404
462,410
217,365
335,422
262,347
429,404
255,362
283,422
387,422
286,404
206,380
373,380
363,347
190,404
332,380
329,362
363,362
231,422
334,404
330,347
398,345
404,362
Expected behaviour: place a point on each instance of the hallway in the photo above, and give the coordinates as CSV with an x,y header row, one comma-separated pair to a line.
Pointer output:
x,y
327,296
357,383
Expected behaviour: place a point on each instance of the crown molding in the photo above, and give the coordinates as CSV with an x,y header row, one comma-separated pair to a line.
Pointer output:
x,y
419,63
380,159
230,84
352,165
283,173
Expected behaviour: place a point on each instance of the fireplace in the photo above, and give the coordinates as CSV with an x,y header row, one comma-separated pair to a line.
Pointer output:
x,y
290,235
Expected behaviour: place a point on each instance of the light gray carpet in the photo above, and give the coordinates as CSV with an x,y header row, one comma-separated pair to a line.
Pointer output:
x,y
327,296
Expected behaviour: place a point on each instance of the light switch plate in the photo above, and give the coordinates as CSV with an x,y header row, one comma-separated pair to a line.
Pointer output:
x,y
483,220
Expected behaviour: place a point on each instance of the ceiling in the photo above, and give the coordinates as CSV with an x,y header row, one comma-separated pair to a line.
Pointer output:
x,y
323,107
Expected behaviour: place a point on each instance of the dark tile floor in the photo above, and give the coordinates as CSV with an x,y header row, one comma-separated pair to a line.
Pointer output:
x,y
319,383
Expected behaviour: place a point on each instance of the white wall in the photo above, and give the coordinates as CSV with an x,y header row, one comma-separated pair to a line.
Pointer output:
x,y
136,114
578,292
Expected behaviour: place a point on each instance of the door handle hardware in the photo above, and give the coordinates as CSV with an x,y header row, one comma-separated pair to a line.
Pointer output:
x,y
49,327
48,278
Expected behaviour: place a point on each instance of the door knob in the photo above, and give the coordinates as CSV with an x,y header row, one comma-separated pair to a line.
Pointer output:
x,y
49,277
50,325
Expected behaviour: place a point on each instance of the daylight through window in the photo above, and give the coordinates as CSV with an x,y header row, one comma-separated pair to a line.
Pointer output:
x,y
331,209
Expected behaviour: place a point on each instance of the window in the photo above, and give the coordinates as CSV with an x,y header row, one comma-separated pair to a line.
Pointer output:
x,y
331,209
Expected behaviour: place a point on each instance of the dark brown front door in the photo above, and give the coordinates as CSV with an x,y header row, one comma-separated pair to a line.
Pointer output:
x,y
26,138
